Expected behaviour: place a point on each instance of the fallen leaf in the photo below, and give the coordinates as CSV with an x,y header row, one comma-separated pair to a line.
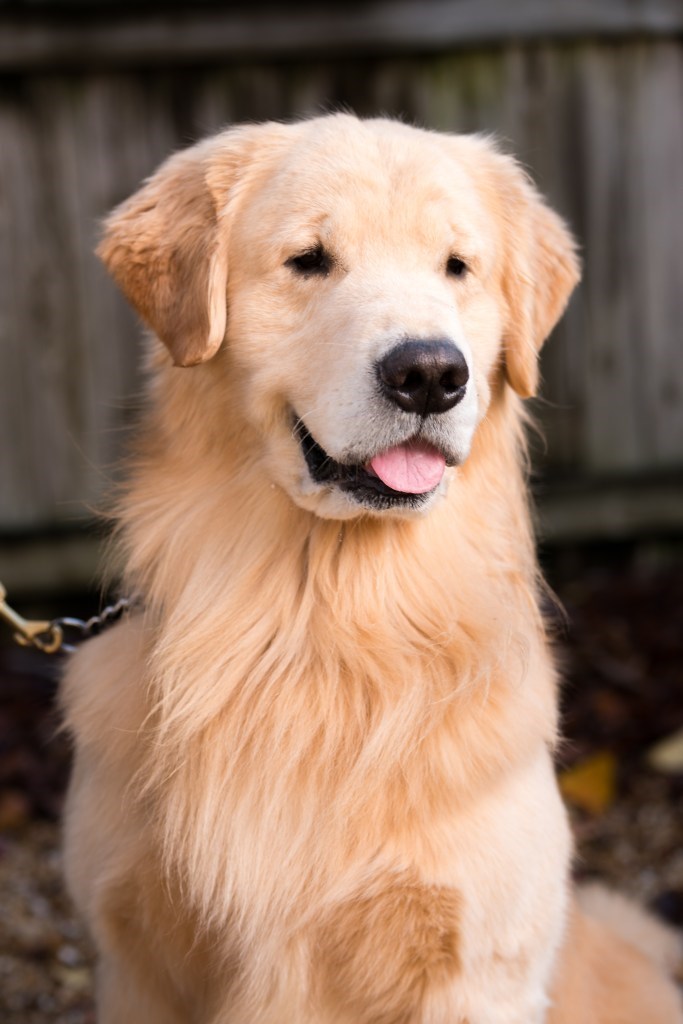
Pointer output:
x,y
591,784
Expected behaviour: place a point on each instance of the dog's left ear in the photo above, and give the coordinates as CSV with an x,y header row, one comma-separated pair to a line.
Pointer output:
x,y
541,270
166,246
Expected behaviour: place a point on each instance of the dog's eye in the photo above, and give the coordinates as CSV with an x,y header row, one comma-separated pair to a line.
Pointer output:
x,y
456,267
313,261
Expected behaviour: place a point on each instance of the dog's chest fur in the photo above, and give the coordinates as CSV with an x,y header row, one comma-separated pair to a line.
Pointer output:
x,y
329,767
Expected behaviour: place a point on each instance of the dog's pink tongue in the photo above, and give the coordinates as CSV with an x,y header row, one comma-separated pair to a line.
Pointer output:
x,y
413,468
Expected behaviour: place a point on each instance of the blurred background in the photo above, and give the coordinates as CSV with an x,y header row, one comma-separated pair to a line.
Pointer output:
x,y
589,95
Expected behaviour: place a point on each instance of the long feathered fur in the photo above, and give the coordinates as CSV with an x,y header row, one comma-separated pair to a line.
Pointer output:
x,y
313,779
367,658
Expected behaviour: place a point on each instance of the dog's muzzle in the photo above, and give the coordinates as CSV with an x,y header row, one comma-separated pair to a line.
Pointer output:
x,y
404,476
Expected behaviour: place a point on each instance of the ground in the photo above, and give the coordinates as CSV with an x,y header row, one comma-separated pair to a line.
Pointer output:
x,y
620,646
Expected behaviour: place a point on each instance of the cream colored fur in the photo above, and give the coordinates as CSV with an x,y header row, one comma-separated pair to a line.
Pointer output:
x,y
313,776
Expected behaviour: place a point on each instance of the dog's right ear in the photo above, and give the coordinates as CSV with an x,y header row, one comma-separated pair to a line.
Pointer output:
x,y
166,246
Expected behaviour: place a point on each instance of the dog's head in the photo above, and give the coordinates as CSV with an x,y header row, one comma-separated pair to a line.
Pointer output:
x,y
371,285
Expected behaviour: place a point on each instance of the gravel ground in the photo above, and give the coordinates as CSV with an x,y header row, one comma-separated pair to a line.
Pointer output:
x,y
622,657
45,959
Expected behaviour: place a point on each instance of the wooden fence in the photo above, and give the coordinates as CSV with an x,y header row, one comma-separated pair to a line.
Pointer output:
x,y
588,94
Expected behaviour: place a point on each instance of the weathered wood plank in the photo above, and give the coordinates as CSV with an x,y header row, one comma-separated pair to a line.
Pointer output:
x,y
33,414
613,437
102,36
656,159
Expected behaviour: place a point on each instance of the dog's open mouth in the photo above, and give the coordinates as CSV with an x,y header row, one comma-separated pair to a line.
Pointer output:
x,y
404,475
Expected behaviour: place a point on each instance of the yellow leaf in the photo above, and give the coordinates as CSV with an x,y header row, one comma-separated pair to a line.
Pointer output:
x,y
591,784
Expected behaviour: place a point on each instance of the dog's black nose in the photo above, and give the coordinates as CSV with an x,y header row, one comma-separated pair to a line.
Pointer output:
x,y
424,376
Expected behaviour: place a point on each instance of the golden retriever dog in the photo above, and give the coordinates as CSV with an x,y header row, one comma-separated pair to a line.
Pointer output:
x,y
314,771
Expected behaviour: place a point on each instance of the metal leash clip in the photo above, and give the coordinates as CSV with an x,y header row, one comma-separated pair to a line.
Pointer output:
x,y
49,636
45,636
